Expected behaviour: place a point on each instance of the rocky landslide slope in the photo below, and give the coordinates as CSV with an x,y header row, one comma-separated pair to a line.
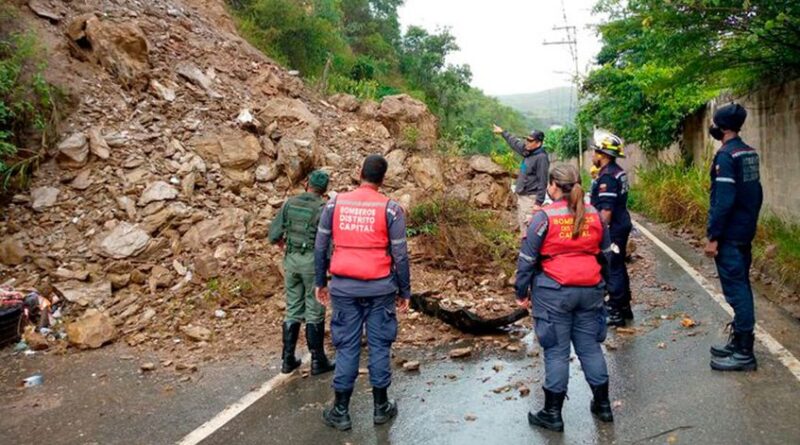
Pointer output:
x,y
183,142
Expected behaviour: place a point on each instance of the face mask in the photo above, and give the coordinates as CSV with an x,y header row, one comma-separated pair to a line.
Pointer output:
x,y
716,132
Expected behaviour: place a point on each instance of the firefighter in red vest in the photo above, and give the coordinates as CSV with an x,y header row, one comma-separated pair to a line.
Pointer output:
x,y
558,273
370,281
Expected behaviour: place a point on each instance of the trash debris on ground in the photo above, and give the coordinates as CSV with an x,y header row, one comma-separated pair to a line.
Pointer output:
x,y
34,380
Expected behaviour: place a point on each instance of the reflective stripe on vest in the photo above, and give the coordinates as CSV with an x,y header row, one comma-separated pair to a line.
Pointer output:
x,y
568,261
361,235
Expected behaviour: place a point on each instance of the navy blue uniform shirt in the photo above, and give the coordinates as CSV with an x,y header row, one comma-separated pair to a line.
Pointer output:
x,y
736,194
610,192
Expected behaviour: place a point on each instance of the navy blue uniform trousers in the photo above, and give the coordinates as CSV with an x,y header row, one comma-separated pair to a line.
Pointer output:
x,y
619,282
350,317
570,315
733,265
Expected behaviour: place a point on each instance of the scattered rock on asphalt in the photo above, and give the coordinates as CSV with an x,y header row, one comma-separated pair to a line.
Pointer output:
x,y
149,366
411,366
461,352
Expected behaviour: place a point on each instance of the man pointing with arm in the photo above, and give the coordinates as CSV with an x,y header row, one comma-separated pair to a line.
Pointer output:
x,y
371,281
531,183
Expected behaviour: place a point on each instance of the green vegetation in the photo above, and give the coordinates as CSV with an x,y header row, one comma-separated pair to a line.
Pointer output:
x,y
662,60
27,104
678,195
357,47
458,232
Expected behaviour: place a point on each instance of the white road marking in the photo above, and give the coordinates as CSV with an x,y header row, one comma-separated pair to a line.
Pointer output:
x,y
226,415
774,347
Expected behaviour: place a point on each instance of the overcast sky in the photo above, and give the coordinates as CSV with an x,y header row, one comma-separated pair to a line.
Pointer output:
x,y
502,40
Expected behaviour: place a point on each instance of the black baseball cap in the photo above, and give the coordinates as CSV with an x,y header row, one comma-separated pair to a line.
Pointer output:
x,y
536,135
730,117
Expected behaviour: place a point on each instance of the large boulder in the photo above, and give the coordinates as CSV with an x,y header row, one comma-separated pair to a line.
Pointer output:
x,y
345,102
43,197
12,252
157,191
296,157
121,48
290,114
123,241
484,164
235,150
427,172
92,330
489,193
84,293
73,151
230,222
409,121
397,172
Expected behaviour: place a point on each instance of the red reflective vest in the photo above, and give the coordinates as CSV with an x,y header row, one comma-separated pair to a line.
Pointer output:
x,y
571,262
361,235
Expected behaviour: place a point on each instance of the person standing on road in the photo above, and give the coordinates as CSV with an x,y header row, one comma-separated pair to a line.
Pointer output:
x,y
371,280
558,273
736,198
610,198
531,183
295,229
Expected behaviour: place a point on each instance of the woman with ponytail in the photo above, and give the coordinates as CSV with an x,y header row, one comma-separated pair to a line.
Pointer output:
x,y
558,274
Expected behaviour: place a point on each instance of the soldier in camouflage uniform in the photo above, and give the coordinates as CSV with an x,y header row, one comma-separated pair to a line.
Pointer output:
x,y
296,227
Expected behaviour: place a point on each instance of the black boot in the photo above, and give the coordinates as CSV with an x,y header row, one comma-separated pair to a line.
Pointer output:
x,y
627,313
601,405
616,317
385,409
338,416
291,331
550,416
315,337
727,349
742,358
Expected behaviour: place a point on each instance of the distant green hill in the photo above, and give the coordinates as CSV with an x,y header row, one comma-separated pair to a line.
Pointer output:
x,y
555,106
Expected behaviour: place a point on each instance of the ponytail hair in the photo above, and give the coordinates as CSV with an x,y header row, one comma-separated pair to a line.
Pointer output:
x,y
568,180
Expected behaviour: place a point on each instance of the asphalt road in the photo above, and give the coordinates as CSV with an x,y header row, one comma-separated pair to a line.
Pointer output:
x,y
661,385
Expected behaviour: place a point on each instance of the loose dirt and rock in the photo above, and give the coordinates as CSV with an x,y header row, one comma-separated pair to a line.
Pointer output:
x,y
152,208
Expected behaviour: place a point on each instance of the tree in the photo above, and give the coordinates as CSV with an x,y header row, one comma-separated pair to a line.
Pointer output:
x,y
661,61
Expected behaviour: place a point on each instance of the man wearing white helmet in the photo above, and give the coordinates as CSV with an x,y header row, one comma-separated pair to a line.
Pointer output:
x,y
610,198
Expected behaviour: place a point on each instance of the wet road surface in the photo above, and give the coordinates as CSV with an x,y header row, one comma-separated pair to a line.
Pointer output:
x,y
662,387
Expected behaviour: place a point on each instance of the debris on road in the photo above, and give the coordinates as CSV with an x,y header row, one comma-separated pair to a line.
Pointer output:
x,y
461,352
34,380
149,366
411,366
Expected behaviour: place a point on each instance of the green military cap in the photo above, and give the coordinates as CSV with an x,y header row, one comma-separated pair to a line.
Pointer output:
x,y
318,179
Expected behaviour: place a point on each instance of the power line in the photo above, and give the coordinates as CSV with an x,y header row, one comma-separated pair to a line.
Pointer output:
x,y
571,41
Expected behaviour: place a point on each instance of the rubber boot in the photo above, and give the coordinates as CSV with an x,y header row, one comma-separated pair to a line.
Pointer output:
x,y
615,317
742,358
601,405
338,416
315,337
725,350
549,417
385,409
291,331
627,313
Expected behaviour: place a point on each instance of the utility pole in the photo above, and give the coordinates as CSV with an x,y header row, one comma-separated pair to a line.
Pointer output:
x,y
571,41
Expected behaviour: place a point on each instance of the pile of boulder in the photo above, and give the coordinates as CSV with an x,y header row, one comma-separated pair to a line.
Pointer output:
x,y
183,144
